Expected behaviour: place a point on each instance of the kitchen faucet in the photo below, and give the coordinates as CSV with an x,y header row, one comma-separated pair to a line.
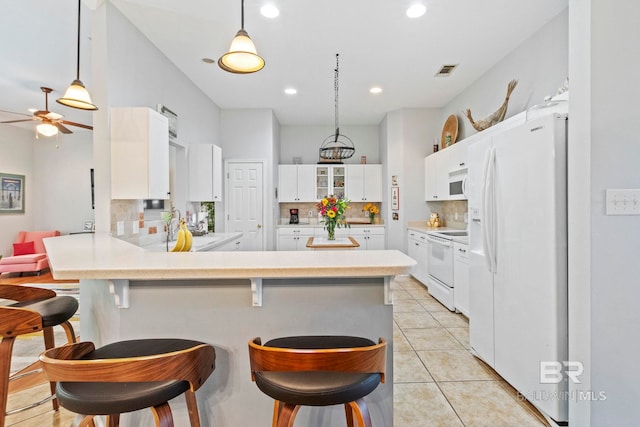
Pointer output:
x,y
172,232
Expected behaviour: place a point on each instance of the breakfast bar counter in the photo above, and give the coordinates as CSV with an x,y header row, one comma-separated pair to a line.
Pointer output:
x,y
227,299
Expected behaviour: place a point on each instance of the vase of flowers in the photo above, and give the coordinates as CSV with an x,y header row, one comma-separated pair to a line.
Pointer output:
x,y
372,210
332,210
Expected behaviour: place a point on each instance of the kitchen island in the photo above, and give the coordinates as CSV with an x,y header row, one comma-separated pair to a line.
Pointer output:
x,y
227,299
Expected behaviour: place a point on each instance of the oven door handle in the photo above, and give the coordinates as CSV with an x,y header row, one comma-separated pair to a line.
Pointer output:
x,y
441,242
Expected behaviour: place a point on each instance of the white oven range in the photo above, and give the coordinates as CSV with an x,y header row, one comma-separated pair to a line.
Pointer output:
x,y
440,265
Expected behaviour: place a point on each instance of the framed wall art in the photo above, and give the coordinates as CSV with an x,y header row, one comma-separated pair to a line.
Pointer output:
x,y
11,193
395,198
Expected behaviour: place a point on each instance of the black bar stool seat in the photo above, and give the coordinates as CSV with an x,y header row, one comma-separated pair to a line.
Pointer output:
x,y
127,376
318,371
100,398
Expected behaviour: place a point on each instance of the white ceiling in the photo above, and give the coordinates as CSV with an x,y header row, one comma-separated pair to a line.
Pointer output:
x,y
378,45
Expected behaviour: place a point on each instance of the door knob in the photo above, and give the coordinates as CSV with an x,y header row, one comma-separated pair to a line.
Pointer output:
x,y
259,225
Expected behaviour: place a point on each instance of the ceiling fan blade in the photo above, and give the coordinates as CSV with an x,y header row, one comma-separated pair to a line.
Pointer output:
x,y
61,128
80,125
17,121
13,112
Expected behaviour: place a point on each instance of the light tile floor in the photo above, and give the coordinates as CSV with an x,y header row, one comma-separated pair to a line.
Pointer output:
x,y
438,382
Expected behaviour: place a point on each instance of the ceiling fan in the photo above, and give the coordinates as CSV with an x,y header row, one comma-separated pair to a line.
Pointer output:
x,y
51,122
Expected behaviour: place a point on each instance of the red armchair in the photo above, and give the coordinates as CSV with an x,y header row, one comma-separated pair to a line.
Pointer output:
x,y
29,253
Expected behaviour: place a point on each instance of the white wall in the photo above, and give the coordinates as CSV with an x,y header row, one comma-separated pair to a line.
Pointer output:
x,y
16,158
405,142
540,64
248,134
608,113
305,141
130,71
63,179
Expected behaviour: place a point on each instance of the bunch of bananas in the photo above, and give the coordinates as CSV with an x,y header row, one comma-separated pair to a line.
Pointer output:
x,y
184,240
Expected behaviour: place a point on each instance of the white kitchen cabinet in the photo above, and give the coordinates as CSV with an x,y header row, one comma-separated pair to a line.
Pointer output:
x,y
417,249
330,180
233,245
431,188
461,277
205,173
296,183
139,154
294,239
369,238
364,183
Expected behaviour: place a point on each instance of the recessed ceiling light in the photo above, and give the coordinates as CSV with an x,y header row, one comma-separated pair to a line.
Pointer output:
x,y
416,11
290,91
375,90
208,60
269,11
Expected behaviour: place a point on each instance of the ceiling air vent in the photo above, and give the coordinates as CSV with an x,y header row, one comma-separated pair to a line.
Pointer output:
x,y
446,70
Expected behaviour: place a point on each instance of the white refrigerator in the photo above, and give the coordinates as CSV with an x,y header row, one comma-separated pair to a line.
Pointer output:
x,y
518,261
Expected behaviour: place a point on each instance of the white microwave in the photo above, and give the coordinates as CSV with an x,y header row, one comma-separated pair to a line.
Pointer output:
x,y
458,184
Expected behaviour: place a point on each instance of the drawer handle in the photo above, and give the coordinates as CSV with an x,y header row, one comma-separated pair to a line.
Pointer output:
x,y
462,250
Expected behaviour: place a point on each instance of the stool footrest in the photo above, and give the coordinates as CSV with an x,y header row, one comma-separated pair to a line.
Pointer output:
x,y
33,405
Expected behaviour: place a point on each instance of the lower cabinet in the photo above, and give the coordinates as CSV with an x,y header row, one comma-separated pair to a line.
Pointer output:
x,y
233,245
461,277
417,249
369,238
294,239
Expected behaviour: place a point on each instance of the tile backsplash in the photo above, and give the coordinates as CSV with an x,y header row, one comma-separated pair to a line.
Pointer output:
x,y
131,214
452,212
355,210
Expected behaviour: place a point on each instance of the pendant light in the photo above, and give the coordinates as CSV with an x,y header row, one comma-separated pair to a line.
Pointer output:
x,y
242,57
336,147
77,95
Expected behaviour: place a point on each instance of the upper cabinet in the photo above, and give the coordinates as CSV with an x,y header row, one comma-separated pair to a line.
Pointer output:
x,y
139,154
205,173
330,180
364,183
436,179
296,183
443,167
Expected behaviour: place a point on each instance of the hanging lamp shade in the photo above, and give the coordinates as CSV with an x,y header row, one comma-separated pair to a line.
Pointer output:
x,y
46,129
242,57
76,95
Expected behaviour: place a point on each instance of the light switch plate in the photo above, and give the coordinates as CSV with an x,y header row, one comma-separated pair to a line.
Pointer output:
x,y
623,202
134,227
120,228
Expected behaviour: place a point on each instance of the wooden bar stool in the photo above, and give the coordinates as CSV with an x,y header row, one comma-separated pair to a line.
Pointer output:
x,y
318,371
128,376
36,309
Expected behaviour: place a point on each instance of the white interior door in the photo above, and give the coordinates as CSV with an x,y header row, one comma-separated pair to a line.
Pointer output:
x,y
245,204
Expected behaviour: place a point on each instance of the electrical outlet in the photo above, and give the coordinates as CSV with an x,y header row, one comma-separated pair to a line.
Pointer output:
x,y
623,202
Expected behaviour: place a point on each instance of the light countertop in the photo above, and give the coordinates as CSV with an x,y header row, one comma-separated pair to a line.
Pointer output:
x,y
101,256
200,243
422,227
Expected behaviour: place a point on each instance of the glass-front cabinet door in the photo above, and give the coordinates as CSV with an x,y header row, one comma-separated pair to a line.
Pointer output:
x,y
330,180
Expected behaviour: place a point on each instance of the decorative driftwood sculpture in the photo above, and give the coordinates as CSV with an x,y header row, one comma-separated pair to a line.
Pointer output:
x,y
497,116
